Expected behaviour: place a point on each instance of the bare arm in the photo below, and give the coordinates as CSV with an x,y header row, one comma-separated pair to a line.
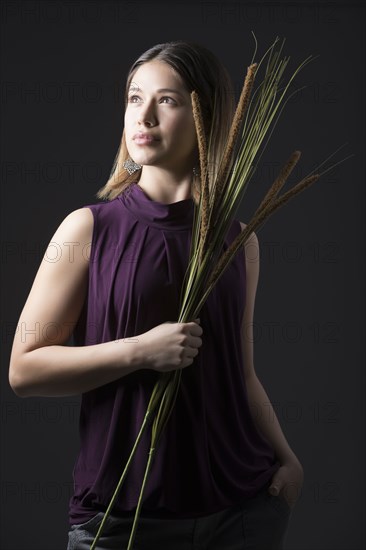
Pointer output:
x,y
42,365
262,410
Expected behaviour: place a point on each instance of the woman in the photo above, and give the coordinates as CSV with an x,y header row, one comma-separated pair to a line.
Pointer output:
x,y
223,476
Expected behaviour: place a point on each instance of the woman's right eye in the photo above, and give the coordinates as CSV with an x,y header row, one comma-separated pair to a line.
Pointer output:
x,y
132,97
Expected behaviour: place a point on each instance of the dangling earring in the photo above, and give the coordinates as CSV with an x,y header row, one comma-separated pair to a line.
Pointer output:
x,y
131,166
196,171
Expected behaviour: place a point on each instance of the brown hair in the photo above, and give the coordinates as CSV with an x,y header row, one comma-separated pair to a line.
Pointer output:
x,y
201,71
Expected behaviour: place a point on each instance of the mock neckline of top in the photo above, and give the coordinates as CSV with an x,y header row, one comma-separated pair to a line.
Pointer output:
x,y
176,215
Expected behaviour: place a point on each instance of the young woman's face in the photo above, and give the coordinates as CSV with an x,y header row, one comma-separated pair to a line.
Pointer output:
x,y
160,106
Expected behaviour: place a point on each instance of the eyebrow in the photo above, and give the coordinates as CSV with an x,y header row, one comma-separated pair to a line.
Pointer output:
x,y
159,91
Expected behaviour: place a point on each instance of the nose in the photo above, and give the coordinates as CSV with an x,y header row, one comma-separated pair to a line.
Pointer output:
x,y
147,116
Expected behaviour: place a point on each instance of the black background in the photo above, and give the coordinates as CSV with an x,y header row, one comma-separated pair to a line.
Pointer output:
x,y
63,69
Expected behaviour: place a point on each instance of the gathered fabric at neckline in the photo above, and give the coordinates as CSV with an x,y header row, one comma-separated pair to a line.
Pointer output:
x,y
174,216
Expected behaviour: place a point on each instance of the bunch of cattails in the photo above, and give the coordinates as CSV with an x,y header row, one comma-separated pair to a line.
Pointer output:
x,y
218,203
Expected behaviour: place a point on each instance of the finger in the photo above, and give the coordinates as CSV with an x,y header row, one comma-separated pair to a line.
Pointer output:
x,y
196,329
274,490
195,342
276,485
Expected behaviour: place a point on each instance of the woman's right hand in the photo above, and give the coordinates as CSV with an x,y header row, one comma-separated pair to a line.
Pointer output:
x,y
171,346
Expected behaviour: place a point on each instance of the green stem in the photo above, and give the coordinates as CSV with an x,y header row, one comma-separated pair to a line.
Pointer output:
x,y
157,392
120,483
139,504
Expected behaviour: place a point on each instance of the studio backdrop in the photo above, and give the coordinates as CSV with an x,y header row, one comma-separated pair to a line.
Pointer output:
x,y
63,71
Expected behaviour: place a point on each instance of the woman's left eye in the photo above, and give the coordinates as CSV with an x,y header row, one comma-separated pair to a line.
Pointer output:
x,y
167,97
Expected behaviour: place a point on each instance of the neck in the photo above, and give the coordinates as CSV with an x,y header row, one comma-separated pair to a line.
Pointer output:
x,y
165,186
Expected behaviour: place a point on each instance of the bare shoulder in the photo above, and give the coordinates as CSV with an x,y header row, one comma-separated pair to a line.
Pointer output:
x,y
80,222
76,230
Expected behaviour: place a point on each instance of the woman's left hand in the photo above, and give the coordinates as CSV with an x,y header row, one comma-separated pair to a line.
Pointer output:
x,y
288,481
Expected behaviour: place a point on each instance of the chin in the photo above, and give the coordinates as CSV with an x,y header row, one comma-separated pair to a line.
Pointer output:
x,y
147,160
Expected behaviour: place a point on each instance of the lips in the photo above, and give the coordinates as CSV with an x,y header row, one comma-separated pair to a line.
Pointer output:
x,y
144,136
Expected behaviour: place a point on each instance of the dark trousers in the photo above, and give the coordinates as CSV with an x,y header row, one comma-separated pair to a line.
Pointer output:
x,y
259,523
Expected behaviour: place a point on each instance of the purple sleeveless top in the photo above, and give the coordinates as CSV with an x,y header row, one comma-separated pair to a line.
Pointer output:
x,y
210,455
